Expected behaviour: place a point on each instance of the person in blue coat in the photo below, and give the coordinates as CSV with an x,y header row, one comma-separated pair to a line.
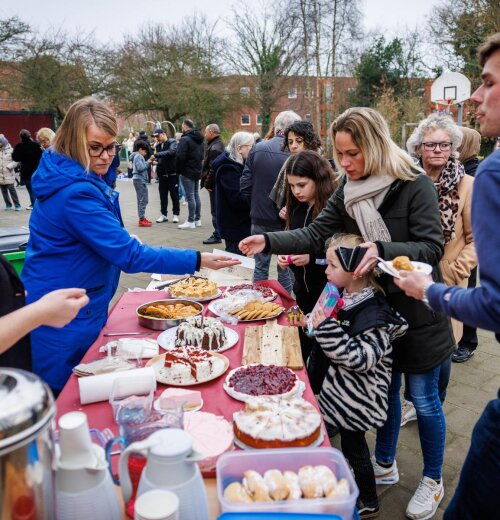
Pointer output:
x,y
77,238
232,211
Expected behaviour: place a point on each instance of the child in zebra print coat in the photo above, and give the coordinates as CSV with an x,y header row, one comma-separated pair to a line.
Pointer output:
x,y
359,347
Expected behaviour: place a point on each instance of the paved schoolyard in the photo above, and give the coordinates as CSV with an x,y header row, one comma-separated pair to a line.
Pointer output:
x,y
472,384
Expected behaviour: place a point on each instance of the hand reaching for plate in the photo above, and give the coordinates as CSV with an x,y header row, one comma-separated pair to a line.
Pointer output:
x,y
212,261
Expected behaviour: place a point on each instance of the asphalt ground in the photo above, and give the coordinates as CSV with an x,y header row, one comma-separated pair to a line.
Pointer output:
x,y
471,386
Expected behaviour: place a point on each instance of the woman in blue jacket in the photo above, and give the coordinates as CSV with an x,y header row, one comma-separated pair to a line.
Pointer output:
x,y
77,238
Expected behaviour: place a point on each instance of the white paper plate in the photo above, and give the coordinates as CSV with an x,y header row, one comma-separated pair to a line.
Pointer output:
x,y
156,406
206,299
420,267
315,444
166,339
213,308
221,364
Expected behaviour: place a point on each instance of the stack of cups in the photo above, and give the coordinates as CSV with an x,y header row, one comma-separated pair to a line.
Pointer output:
x,y
157,504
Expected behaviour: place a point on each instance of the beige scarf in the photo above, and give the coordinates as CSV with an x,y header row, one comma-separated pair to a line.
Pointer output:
x,y
362,199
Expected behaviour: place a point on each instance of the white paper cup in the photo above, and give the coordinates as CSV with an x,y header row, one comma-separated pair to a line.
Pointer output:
x,y
157,504
74,441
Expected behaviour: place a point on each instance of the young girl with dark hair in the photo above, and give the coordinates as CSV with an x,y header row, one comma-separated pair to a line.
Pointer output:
x,y
310,183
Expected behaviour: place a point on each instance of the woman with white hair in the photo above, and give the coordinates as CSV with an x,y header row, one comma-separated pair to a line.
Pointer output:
x,y
231,209
435,142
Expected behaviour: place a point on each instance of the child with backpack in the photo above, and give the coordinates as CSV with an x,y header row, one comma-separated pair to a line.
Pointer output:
x,y
140,179
354,395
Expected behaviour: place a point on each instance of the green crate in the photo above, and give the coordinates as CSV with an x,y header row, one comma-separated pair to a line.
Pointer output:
x,y
16,259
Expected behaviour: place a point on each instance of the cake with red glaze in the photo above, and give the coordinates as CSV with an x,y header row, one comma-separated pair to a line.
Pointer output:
x,y
277,422
184,366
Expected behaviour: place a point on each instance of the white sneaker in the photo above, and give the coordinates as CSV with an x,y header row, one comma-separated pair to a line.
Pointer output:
x,y
183,201
198,223
162,218
408,412
187,225
176,218
383,475
425,501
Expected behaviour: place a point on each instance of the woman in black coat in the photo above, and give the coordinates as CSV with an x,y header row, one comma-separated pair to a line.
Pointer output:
x,y
394,206
232,212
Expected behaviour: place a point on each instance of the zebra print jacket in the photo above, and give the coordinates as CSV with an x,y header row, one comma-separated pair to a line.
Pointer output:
x,y
359,347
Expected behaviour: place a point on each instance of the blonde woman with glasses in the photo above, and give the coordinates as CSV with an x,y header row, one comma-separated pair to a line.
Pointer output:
x,y
78,239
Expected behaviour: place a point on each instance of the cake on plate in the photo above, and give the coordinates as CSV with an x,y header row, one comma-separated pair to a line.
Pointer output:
x,y
277,422
193,287
201,332
190,399
258,379
184,366
267,293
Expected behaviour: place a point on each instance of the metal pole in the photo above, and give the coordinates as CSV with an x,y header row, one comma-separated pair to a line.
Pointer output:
x,y
460,114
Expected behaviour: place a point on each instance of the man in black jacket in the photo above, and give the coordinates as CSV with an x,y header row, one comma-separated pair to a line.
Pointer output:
x,y
164,155
214,148
188,164
259,176
28,153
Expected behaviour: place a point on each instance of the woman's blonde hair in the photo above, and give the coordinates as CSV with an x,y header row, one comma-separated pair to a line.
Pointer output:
x,y
471,144
71,136
45,134
371,135
351,240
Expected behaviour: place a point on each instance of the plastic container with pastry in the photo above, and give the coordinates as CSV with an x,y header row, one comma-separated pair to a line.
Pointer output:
x,y
277,422
258,379
299,480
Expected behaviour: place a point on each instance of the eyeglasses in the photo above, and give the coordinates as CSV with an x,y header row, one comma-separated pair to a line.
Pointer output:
x,y
96,150
430,147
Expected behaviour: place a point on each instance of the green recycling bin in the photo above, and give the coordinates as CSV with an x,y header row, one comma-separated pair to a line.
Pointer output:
x,y
16,259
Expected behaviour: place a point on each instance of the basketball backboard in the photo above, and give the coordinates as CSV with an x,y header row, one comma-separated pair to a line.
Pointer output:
x,y
451,86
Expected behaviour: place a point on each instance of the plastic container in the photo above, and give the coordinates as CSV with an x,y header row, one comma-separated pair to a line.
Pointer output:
x,y
232,465
277,516
16,259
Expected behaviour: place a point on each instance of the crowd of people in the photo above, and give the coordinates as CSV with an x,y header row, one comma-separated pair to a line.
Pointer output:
x,y
281,196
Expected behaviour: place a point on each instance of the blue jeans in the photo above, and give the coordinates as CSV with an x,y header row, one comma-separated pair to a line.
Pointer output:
x,y
192,198
262,261
141,191
181,189
424,393
444,379
477,490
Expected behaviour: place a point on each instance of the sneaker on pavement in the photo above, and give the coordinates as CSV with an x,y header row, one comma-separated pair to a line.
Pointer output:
x,y
408,412
386,476
462,354
425,501
8,207
187,225
367,511
29,208
144,223
212,240
183,201
162,218
18,207
198,223
176,218
147,221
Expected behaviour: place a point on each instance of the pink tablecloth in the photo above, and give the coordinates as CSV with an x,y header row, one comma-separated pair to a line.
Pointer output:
x,y
123,319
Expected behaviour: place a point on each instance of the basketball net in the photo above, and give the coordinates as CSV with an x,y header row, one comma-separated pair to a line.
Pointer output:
x,y
443,106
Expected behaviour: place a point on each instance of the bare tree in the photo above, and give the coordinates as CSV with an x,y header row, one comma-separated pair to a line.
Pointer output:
x,y
267,47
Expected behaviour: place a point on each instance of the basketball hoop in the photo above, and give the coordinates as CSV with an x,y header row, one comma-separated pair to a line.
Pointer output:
x,y
443,106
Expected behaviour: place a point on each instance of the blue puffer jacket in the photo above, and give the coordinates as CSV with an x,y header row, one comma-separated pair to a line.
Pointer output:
x,y
77,239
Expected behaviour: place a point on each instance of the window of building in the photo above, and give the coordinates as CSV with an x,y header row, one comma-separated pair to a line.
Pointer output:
x,y
245,91
245,119
308,117
258,118
292,93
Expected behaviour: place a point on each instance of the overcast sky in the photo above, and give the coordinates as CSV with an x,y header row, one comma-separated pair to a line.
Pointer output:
x,y
110,19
